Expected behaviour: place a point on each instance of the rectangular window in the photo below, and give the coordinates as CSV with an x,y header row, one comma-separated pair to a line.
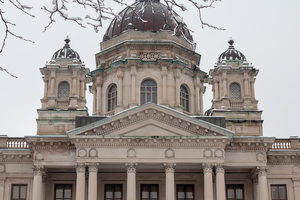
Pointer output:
x,y
149,191
235,192
18,192
63,192
278,192
113,192
185,192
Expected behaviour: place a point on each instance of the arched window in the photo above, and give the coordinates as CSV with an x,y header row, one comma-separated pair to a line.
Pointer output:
x,y
112,97
63,90
235,91
184,98
148,91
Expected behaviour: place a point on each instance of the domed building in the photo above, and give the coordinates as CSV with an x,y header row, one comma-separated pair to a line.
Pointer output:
x,y
146,137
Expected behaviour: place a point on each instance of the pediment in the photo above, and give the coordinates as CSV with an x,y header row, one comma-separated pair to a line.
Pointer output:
x,y
150,120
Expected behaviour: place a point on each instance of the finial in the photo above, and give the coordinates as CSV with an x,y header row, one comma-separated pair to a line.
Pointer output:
x,y
67,40
230,41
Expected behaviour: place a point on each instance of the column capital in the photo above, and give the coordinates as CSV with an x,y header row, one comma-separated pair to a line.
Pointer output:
x,y
177,74
169,167
133,70
164,70
38,169
207,167
131,167
262,171
120,74
93,166
80,167
220,167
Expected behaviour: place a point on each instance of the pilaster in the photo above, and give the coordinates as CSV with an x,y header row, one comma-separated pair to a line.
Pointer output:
x,y
170,181
208,181
93,174
131,180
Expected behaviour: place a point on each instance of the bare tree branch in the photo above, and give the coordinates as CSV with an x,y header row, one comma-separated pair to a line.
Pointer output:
x,y
1,69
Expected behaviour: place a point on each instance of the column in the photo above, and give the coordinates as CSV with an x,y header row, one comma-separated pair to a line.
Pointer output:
x,y
133,77
262,182
164,72
177,87
296,189
93,173
197,99
82,87
170,181
224,79
252,89
221,88
37,182
94,91
208,183
254,186
202,89
220,181
80,181
44,181
74,77
99,94
131,180
45,87
120,87
246,84
2,184
216,90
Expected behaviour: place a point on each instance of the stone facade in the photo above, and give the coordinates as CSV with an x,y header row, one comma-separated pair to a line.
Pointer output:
x,y
149,140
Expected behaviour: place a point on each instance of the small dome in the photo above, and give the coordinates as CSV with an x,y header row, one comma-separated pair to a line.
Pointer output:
x,y
66,52
231,54
156,14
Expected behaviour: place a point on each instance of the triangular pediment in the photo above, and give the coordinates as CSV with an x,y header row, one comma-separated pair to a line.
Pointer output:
x,y
150,120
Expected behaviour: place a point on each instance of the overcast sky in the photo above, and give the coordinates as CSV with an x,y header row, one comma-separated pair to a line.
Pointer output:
x,y
266,32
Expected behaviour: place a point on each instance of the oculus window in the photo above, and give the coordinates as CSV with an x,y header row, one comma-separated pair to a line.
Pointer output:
x,y
235,192
185,192
235,91
148,91
63,90
149,192
18,192
63,192
112,97
184,98
113,192
278,192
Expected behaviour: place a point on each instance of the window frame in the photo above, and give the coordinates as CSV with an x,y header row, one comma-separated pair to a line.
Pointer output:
x,y
231,97
110,100
279,185
19,186
234,185
144,93
105,185
58,90
177,185
141,191
64,184
186,101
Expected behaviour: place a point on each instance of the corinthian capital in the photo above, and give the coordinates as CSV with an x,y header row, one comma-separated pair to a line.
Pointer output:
x,y
131,167
38,170
80,167
262,171
93,166
207,167
220,167
169,167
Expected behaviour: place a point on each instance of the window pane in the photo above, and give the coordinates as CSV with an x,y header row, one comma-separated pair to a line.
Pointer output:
x,y
23,192
15,192
239,194
281,192
59,193
230,194
274,193
68,193
154,89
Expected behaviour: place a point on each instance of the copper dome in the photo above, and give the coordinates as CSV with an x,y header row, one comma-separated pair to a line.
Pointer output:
x,y
156,14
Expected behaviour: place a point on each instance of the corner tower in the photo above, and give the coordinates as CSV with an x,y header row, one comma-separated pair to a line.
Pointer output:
x,y
153,61
64,92
233,93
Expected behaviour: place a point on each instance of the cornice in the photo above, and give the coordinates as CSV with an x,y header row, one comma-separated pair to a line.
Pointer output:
x,y
283,159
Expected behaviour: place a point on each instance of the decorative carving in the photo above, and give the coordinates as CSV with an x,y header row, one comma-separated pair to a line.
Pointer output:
x,y
80,167
2,168
296,169
170,153
38,170
93,152
81,153
169,167
131,167
220,167
207,167
262,171
93,166
207,153
219,153
260,157
60,128
39,156
131,153
238,129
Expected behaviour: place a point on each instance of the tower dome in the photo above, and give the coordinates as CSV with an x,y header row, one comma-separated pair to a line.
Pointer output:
x,y
231,54
156,17
66,52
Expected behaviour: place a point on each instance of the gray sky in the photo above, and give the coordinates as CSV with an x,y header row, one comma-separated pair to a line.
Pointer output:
x,y
266,32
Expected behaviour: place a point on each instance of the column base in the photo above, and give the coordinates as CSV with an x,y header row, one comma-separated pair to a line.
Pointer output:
x,y
179,108
165,104
118,108
133,104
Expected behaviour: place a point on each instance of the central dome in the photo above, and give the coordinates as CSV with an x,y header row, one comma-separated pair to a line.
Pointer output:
x,y
157,15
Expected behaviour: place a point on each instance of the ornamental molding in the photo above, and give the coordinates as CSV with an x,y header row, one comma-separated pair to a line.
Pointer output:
x,y
251,146
38,170
169,167
283,159
262,171
2,167
131,167
169,153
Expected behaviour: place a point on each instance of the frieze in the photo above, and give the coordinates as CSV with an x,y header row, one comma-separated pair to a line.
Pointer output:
x,y
283,159
248,147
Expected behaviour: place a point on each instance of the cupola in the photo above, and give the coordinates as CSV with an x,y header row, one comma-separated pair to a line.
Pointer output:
x,y
66,52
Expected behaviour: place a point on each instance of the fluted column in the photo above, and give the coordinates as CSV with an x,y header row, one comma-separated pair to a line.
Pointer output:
x,y
80,181
37,182
131,180
164,72
170,181
220,181
208,182
262,182
93,173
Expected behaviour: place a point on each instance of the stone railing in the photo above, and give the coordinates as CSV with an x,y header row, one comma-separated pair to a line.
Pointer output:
x,y
236,105
290,143
16,143
62,104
